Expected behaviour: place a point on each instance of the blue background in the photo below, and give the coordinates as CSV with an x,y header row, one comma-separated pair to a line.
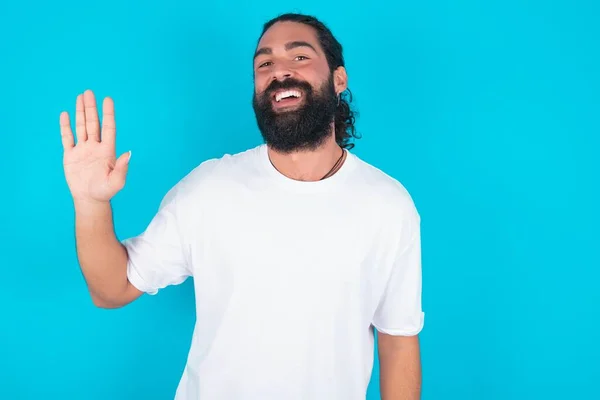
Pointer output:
x,y
488,112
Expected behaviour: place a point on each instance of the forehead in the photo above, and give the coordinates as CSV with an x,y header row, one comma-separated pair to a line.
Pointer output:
x,y
285,32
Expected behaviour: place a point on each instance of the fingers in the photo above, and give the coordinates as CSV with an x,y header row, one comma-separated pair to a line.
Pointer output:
x,y
80,120
92,125
87,123
108,122
65,131
119,173
123,162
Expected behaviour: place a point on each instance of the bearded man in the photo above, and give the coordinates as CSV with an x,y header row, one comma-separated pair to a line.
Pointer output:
x,y
299,250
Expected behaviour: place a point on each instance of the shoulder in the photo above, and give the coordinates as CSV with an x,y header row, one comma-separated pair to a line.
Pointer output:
x,y
213,173
381,189
386,201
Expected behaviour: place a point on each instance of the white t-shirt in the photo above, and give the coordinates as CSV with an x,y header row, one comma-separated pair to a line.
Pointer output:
x,y
289,276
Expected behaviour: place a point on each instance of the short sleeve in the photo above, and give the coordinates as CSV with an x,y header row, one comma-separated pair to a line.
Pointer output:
x,y
157,257
399,311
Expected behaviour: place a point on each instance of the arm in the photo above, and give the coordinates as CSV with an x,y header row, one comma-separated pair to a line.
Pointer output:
x,y
103,259
94,175
400,367
116,273
399,317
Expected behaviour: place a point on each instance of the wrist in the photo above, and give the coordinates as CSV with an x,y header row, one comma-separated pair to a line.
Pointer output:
x,y
90,207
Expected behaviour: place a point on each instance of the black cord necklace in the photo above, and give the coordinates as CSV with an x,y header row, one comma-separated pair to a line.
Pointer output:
x,y
331,171
337,163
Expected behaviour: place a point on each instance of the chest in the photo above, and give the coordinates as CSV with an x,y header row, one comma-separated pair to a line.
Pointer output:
x,y
300,252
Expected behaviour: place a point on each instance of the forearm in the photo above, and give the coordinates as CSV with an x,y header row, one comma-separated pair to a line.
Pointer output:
x,y
103,259
400,368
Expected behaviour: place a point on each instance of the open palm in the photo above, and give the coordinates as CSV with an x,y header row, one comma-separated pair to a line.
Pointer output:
x,y
92,171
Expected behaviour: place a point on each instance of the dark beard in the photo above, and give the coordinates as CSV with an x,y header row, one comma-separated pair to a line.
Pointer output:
x,y
305,128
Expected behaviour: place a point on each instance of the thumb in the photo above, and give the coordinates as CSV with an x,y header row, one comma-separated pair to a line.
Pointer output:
x,y
119,173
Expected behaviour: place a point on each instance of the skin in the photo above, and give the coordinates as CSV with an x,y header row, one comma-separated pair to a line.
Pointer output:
x,y
94,175
399,367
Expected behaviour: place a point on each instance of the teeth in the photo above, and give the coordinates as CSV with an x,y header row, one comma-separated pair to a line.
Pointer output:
x,y
286,94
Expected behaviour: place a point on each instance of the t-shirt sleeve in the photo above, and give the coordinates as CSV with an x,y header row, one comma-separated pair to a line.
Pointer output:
x,y
399,311
157,257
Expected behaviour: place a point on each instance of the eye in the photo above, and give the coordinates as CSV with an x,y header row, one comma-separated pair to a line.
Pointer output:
x,y
301,58
264,64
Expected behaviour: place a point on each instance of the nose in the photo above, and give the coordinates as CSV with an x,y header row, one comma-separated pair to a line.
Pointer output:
x,y
282,75
281,71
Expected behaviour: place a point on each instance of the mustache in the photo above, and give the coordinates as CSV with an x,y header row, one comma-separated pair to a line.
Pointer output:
x,y
290,83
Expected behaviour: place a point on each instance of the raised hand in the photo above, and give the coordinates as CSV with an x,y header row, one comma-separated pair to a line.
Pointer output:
x,y
92,171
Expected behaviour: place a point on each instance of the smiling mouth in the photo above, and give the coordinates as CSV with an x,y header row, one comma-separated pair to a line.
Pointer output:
x,y
288,95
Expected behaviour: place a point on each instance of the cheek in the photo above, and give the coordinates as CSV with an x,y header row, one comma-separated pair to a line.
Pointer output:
x,y
260,83
314,77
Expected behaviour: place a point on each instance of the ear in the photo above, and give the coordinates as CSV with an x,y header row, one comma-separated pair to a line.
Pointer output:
x,y
340,79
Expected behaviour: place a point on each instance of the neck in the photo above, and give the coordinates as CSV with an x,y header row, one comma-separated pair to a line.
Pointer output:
x,y
307,165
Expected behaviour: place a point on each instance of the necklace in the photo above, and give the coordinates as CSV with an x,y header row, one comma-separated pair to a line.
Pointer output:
x,y
331,171
335,166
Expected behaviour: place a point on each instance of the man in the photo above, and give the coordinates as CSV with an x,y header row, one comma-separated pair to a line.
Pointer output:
x,y
298,248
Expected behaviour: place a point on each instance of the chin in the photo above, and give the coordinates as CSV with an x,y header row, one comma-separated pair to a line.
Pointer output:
x,y
278,109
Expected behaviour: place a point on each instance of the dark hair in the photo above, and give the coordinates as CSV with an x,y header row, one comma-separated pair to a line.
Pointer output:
x,y
345,116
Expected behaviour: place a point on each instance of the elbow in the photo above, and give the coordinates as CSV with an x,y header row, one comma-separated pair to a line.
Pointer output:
x,y
115,299
102,302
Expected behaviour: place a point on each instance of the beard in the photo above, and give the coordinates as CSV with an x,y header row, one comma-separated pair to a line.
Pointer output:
x,y
303,128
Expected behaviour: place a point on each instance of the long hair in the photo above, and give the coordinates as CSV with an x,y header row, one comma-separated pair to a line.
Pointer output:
x,y
345,116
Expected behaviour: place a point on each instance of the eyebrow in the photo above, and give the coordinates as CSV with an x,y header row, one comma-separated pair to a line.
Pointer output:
x,y
288,46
